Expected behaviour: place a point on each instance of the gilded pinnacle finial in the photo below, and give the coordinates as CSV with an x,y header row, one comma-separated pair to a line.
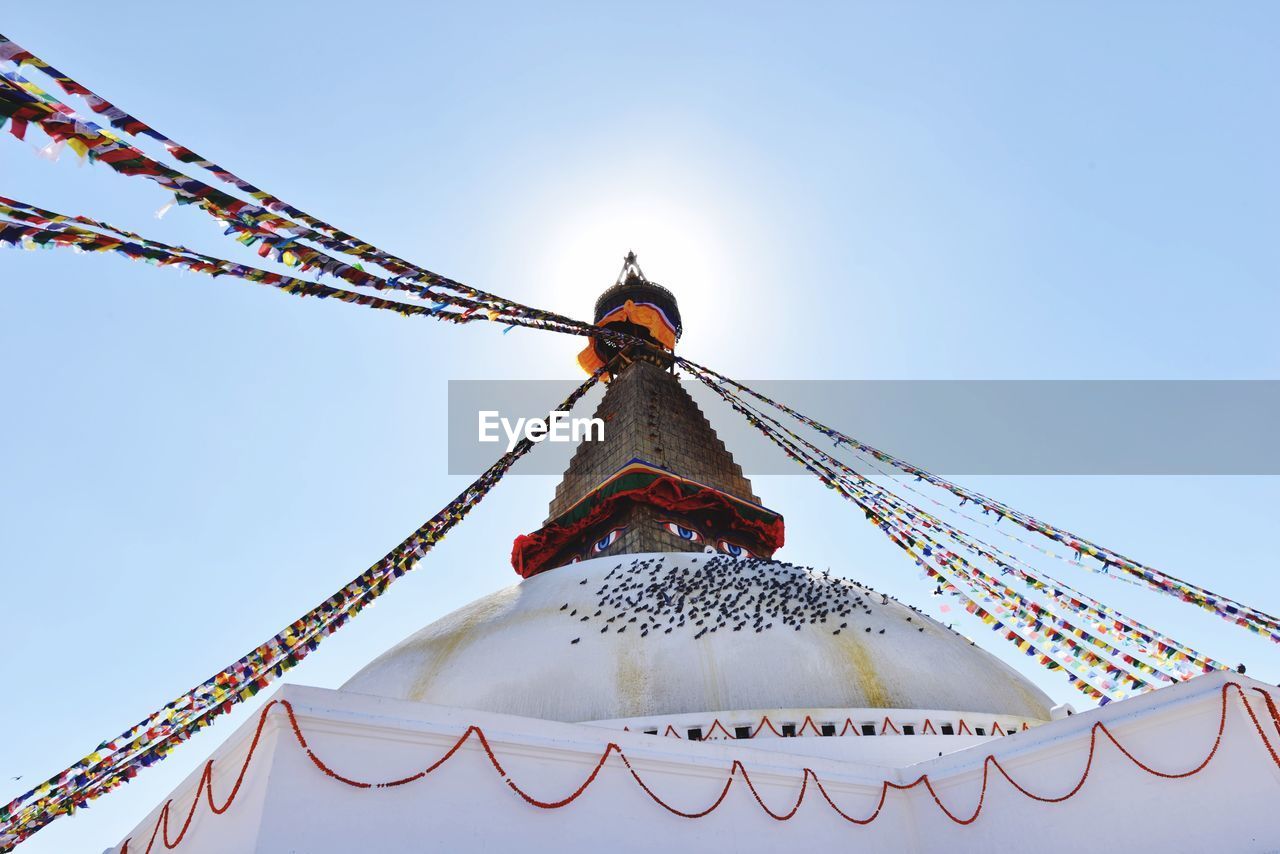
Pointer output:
x,y
638,307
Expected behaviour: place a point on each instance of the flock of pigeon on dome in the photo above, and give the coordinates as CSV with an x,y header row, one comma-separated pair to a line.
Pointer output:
x,y
730,593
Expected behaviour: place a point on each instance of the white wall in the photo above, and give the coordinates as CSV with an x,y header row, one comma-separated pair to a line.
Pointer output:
x,y
289,805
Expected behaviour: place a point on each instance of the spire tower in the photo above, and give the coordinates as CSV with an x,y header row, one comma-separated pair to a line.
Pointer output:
x,y
661,480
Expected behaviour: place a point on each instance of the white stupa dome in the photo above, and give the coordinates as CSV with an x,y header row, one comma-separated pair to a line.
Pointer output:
x,y
636,636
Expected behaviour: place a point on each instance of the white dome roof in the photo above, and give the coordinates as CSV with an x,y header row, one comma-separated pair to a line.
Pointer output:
x,y
659,638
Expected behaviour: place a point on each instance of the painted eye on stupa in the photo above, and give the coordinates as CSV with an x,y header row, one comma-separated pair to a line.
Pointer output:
x,y
607,540
682,532
575,559
734,550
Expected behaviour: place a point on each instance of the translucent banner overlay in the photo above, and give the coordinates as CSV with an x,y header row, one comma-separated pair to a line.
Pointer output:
x,y
970,427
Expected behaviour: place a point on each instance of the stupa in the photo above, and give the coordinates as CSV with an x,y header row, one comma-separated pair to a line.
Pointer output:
x,y
657,680
650,594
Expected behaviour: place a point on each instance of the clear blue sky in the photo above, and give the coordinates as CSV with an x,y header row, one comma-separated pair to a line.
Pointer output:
x,y
1000,191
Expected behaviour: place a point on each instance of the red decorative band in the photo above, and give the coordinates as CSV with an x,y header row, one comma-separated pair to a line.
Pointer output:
x,y
641,483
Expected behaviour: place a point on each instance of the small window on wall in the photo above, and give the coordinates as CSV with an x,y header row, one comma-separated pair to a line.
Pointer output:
x,y
651,732
868,729
695,733
828,729
980,730
948,729
742,732
908,729
788,730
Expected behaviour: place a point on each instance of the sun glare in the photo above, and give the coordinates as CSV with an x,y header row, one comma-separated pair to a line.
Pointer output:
x,y
679,247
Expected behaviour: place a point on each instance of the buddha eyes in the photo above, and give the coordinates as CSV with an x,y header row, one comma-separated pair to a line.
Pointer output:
x,y
734,550
682,532
731,549
607,540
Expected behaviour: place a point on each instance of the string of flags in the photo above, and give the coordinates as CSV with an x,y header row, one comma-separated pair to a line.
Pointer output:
x,y
1035,629
1095,623
1104,619
266,221
19,228
241,224
23,225
135,127
118,760
1229,609
276,236
1176,659
28,226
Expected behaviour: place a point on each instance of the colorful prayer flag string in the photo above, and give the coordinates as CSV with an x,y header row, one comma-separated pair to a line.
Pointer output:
x,y
251,223
909,527
1106,619
118,760
1229,609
